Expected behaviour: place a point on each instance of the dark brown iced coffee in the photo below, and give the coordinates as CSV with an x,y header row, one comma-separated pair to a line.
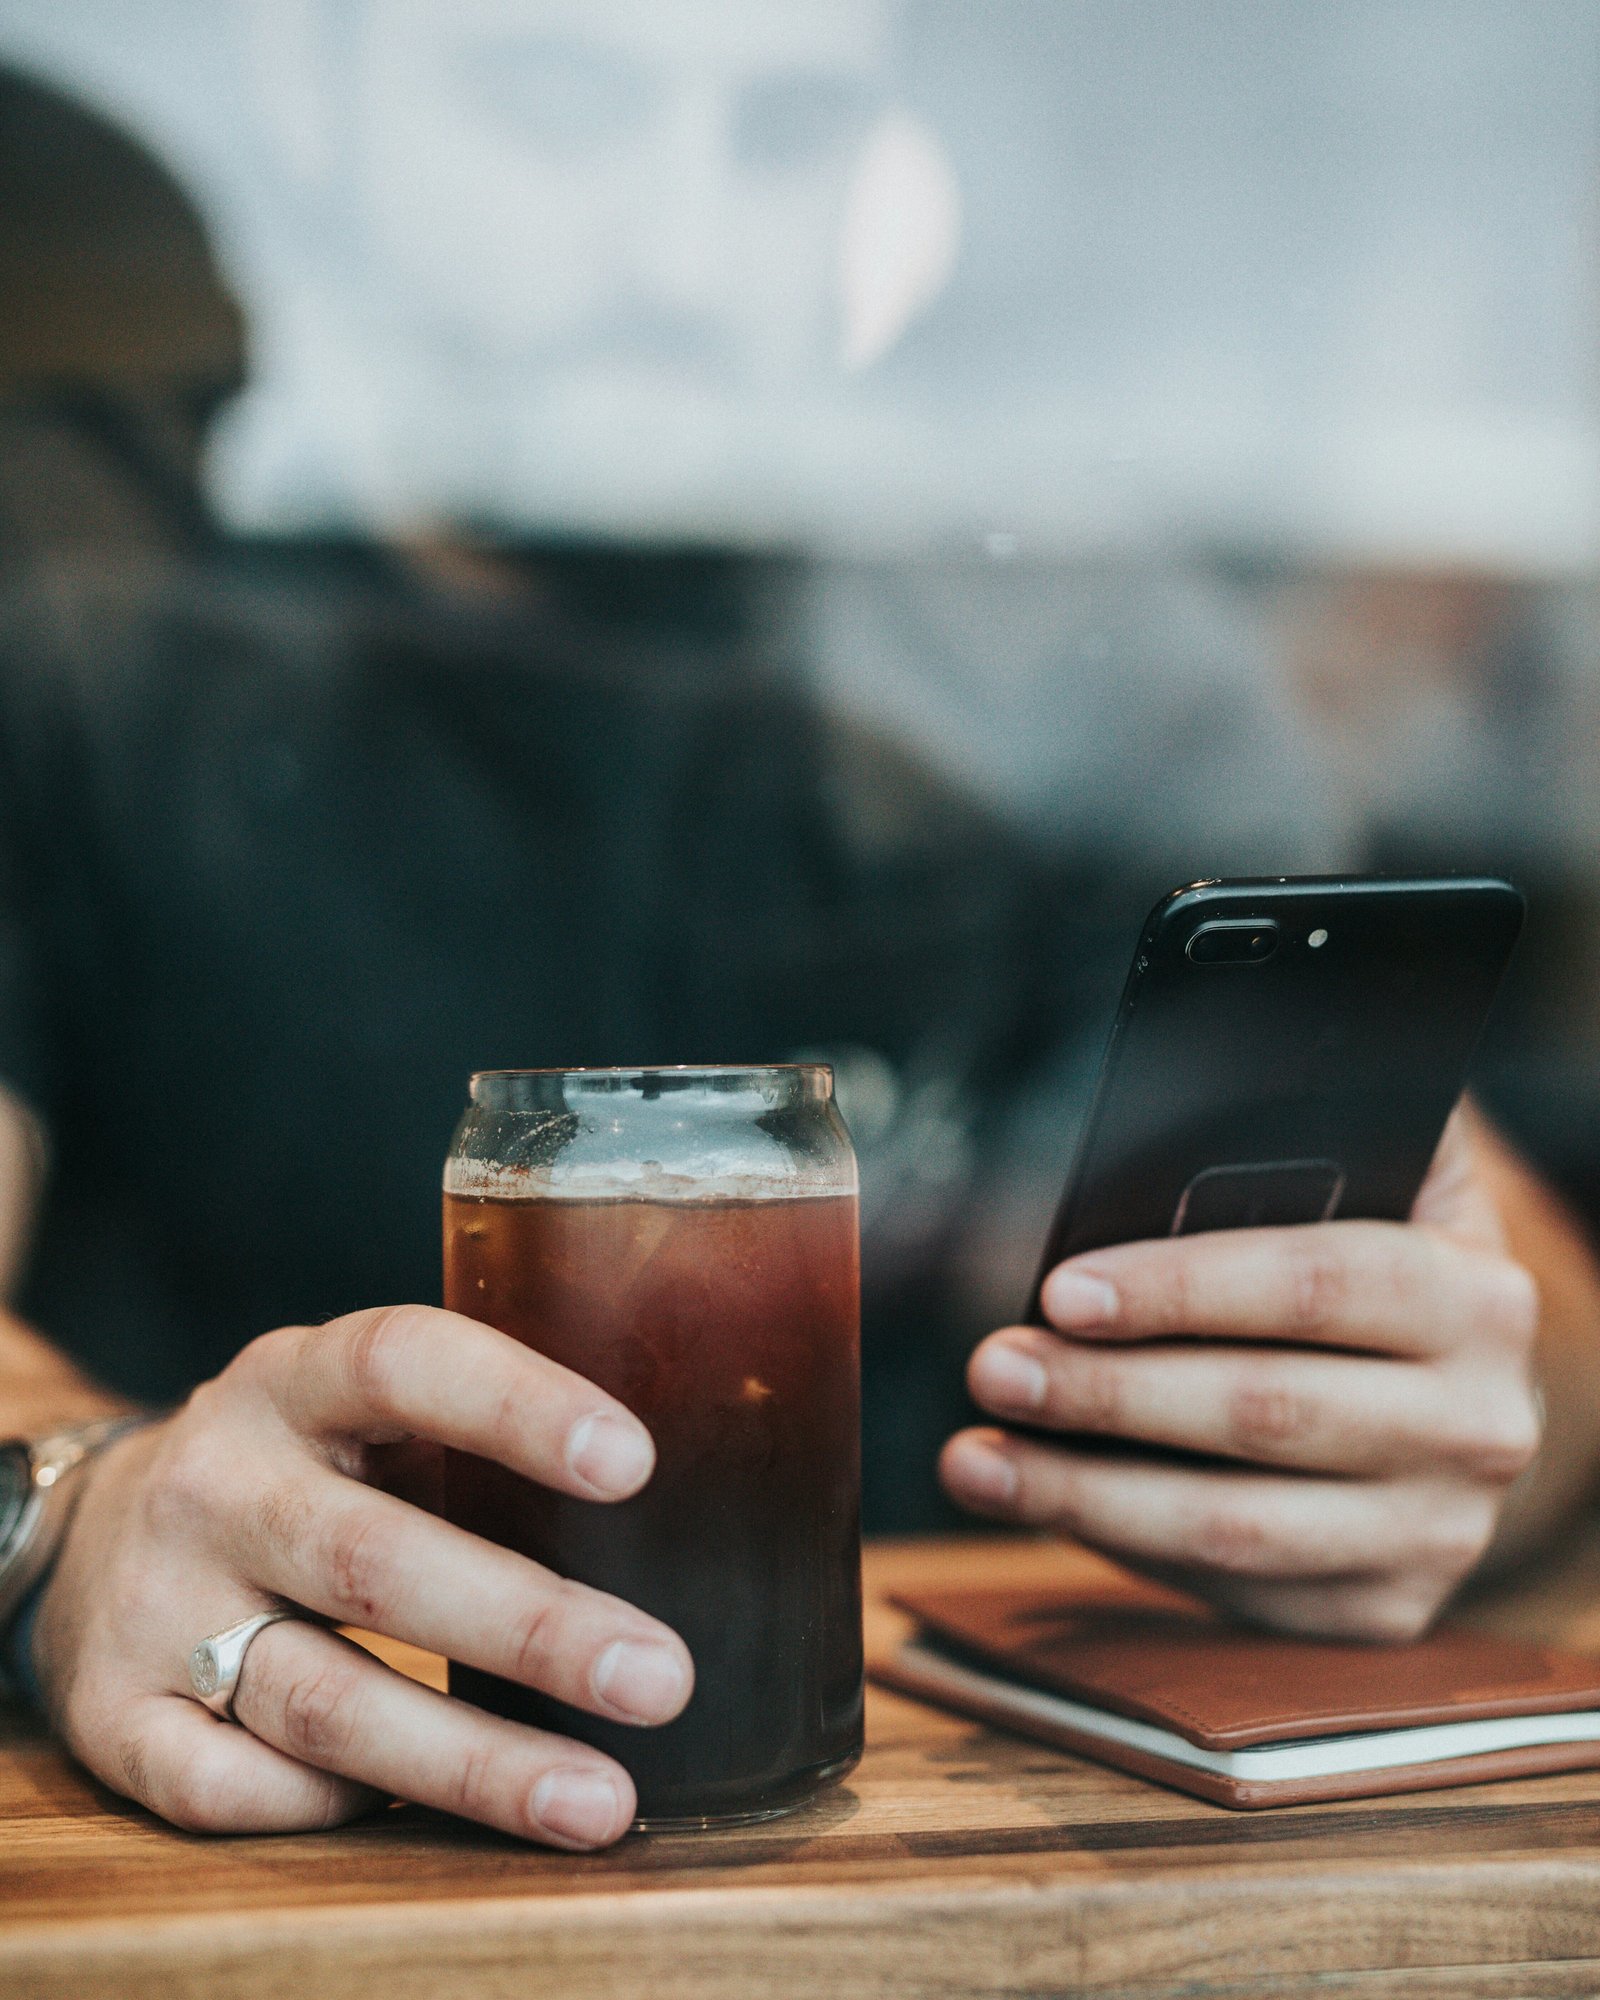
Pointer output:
x,y
711,1284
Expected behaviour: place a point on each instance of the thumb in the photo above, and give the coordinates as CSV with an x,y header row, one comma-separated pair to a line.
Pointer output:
x,y
1456,1198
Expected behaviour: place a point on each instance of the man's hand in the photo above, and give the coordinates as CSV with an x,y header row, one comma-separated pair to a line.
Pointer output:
x,y
254,1493
1360,1393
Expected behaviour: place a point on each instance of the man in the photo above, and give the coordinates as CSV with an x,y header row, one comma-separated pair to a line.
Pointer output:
x,y
274,883
287,846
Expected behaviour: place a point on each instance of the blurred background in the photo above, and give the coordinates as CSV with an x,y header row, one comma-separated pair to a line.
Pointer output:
x,y
1168,428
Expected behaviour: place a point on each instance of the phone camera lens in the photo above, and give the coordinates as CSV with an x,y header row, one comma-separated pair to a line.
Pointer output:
x,y
1233,942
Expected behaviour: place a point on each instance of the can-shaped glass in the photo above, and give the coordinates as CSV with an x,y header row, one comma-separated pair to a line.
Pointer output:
x,y
688,1239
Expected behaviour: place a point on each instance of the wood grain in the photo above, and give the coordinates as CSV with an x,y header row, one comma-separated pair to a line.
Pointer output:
x,y
955,1862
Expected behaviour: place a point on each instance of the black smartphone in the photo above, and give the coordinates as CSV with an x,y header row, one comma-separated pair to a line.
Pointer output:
x,y
1285,1050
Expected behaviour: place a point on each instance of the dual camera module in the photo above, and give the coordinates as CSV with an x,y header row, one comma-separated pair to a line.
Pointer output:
x,y
1242,941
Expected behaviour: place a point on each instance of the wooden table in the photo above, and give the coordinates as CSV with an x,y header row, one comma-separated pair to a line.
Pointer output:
x,y
955,1862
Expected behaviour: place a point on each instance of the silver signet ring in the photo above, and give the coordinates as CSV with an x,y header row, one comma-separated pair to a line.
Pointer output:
x,y
215,1663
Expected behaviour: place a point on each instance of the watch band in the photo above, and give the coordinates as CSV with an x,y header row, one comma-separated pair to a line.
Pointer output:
x,y
19,1677
47,1505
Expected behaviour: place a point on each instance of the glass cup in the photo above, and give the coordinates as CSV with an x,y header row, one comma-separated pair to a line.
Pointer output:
x,y
688,1239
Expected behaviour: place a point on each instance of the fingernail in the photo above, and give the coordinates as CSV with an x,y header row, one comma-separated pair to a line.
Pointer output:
x,y
613,1457
984,1473
1006,1377
584,1807
644,1682
1073,1300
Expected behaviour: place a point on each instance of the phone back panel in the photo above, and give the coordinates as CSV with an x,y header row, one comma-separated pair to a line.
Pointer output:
x,y
1312,1084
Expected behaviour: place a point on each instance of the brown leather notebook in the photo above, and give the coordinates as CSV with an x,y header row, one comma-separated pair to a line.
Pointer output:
x,y
1154,1683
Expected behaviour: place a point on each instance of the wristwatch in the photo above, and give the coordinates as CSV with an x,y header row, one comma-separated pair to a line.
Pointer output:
x,y
38,1485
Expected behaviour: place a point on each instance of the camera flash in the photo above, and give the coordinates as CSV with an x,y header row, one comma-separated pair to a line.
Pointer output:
x,y
1317,938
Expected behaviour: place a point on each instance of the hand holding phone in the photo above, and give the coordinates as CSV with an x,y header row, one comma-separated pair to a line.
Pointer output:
x,y
1313,1422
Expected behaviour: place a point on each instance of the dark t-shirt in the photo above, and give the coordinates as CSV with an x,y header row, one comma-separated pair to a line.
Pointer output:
x,y
286,851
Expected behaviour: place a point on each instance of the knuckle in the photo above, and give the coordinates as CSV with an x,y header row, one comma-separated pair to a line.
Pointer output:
x,y
281,1518
1507,1454
207,1401
358,1561
319,1713
378,1350
1502,1441
536,1637
1089,1393
187,1479
479,1781
1318,1284
509,1420
1235,1541
1263,1417
1172,1307
263,1359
